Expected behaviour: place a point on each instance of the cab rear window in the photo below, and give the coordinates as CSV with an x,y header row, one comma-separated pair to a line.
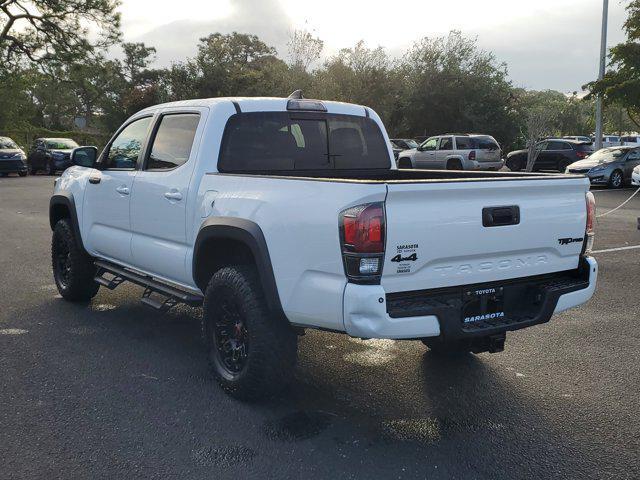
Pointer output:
x,y
282,141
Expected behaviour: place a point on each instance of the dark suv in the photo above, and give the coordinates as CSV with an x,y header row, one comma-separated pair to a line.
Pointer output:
x,y
50,154
555,154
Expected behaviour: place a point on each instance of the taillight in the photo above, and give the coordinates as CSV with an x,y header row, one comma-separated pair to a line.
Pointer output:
x,y
590,228
472,155
362,235
582,154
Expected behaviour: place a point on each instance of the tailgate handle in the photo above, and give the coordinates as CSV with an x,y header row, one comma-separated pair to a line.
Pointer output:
x,y
500,216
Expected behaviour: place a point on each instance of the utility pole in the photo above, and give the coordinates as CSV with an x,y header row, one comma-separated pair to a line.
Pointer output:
x,y
603,60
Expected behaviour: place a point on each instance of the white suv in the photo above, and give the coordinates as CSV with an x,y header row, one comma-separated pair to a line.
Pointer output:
x,y
454,152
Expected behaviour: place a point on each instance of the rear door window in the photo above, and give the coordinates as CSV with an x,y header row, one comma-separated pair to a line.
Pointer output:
x,y
172,143
280,141
446,143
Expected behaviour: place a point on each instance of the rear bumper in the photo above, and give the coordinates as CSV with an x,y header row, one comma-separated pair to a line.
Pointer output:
x,y
371,313
475,165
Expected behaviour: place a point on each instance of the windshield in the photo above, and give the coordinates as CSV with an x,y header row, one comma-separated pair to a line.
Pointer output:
x,y
8,144
61,144
268,141
606,155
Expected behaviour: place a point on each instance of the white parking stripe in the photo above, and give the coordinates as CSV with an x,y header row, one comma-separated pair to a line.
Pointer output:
x,y
618,249
613,190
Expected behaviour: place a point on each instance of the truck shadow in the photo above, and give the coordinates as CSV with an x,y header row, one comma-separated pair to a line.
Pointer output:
x,y
372,399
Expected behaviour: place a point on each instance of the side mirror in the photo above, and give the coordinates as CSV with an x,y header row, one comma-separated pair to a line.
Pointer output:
x,y
84,156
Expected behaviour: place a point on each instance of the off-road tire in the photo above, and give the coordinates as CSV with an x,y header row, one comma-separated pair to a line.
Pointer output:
x,y
74,274
272,344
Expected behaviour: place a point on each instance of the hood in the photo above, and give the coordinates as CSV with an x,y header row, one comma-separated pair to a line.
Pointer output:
x,y
587,163
10,153
517,152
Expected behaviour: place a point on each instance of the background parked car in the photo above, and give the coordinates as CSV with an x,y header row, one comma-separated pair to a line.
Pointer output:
x,y
635,178
12,158
454,152
633,140
555,154
611,166
405,143
579,138
50,154
610,141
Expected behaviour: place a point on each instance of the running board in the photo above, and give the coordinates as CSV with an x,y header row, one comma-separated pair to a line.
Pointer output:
x,y
169,295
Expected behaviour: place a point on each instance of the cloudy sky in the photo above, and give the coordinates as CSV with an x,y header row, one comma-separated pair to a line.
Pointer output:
x,y
545,43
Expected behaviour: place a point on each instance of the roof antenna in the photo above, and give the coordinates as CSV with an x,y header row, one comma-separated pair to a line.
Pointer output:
x,y
296,95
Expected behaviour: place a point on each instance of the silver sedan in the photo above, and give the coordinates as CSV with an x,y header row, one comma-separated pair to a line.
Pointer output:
x,y
611,166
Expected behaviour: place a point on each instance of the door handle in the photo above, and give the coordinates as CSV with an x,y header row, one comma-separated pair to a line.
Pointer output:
x,y
173,195
122,190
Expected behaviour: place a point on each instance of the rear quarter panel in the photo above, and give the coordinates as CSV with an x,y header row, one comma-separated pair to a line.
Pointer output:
x,y
299,220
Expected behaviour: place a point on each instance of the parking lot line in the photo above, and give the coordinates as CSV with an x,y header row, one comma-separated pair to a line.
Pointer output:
x,y
612,190
617,249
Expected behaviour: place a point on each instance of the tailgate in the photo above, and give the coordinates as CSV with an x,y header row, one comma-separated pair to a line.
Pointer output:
x,y
436,237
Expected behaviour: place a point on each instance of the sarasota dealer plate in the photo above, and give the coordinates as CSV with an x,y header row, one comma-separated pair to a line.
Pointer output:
x,y
482,304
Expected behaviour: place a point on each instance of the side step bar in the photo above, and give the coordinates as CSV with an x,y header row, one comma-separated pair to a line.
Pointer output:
x,y
170,295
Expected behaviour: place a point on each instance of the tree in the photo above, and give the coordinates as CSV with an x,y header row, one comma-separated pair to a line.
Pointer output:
x,y
621,84
304,49
358,75
55,30
449,85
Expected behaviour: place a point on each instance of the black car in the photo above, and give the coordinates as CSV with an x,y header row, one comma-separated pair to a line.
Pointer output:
x,y
50,154
555,154
405,143
12,158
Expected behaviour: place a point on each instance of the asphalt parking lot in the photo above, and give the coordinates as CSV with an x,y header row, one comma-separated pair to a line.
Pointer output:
x,y
114,389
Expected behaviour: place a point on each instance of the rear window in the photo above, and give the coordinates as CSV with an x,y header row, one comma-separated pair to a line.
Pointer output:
x,y
272,141
481,142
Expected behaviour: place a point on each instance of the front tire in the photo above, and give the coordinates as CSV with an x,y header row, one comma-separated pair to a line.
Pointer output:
x,y
404,163
516,165
51,169
252,351
73,269
22,174
616,180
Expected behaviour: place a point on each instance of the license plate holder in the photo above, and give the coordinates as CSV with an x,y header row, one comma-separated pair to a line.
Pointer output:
x,y
482,304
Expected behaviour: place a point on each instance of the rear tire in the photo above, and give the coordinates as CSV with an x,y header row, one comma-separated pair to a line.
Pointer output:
x,y
562,165
22,174
73,269
252,351
616,180
454,164
51,170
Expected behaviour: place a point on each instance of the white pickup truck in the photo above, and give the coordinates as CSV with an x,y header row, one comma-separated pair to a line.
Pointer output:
x,y
281,214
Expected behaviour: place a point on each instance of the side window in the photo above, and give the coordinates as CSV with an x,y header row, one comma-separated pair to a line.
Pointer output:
x,y
463,143
556,146
173,140
125,148
430,144
446,143
633,155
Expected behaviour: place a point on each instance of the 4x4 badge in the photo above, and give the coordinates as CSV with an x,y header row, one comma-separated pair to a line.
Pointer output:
x,y
399,258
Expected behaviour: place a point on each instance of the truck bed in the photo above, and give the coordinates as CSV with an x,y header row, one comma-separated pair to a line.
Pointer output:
x,y
402,175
